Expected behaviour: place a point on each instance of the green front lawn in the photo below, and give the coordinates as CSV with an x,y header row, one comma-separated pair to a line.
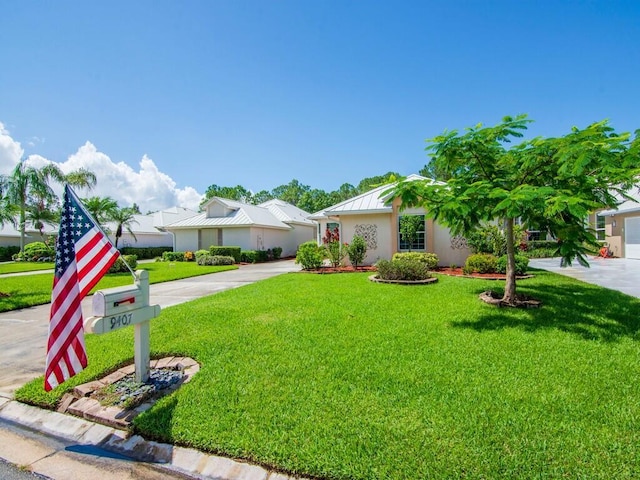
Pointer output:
x,y
29,290
337,377
17,267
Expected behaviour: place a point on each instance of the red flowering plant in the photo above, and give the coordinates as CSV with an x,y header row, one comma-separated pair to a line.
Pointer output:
x,y
335,251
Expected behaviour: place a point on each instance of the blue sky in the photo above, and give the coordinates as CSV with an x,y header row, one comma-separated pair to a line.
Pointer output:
x,y
259,92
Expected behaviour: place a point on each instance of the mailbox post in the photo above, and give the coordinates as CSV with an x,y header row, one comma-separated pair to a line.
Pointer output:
x,y
119,307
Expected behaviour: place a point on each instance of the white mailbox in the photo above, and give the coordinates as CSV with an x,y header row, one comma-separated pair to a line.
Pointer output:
x,y
119,307
114,301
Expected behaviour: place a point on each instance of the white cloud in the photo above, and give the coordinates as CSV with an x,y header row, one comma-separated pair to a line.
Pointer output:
x,y
148,187
10,151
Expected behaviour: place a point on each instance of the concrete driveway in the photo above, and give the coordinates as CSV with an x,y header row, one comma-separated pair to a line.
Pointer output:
x,y
620,274
23,333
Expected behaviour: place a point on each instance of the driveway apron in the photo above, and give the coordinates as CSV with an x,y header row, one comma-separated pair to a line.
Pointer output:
x,y
620,274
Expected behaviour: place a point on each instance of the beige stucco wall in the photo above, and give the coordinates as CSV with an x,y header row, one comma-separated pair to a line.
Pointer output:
x,y
437,238
447,254
380,223
614,232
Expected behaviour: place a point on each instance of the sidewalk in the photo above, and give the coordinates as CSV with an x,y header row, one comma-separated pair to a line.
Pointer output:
x,y
23,336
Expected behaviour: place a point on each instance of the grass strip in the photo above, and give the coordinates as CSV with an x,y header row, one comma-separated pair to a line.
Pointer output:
x,y
336,377
29,290
18,267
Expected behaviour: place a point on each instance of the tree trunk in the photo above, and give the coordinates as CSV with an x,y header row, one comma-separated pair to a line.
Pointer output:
x,y
510,284
22,226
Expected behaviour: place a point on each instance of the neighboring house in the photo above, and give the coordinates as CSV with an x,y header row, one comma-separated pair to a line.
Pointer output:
x,y
620,228
227,222
149,229
377,218
10,237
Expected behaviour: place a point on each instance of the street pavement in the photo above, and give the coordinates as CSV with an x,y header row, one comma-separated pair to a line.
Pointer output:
x,y
62,447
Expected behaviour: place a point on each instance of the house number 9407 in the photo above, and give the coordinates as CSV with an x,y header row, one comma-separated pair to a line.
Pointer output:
x,y
121,320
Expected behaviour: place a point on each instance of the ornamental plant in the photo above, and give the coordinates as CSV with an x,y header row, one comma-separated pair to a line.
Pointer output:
x,y
310,255
357,250
334,250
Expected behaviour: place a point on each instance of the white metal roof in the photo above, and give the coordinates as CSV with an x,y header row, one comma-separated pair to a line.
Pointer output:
x,y
372,201
285,212
274,215
627,206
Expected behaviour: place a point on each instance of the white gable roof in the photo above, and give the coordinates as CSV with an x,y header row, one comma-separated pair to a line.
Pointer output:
x,y
272,214
628,206
372,201
285,212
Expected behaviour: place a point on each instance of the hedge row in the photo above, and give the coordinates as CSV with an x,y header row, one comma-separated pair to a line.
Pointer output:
x,y
145,252
7,253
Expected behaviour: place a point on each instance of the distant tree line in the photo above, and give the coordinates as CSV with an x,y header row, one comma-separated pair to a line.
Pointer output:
x,y
298,194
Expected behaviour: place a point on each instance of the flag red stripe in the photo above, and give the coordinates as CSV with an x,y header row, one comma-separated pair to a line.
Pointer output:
x,y
83,256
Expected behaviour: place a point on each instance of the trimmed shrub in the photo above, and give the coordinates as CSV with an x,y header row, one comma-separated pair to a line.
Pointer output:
x,y
541,253
37,252
119,266
254,256
429,259
335,252
357,250
481,263
215,260
402,269
7,253
189,256
522,263
276,253
144,253
234,252
310,255
540,249
173,257
199,253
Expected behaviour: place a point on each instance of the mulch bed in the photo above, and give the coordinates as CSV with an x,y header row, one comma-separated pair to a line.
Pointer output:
x,y
349,269
522,301
457,272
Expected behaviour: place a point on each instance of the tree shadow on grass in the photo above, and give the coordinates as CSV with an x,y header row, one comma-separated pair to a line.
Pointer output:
x,y
591,312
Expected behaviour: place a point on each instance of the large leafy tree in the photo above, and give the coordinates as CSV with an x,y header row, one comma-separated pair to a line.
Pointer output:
x,y
553,183
238,193
370,183
28,186
292,192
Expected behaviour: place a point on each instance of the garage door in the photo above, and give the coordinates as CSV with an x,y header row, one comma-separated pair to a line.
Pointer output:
x,y
632,237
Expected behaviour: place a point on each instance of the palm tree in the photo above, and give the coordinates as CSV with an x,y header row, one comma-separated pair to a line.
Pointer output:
x,y
124,218
101,208
7,212
27,185
40,213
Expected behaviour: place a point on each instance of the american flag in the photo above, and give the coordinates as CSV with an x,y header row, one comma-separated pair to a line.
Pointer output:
x,y
83,256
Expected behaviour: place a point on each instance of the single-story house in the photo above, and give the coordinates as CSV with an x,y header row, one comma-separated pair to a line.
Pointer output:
x,y
621,228
10,236
377,217
227,222
149,229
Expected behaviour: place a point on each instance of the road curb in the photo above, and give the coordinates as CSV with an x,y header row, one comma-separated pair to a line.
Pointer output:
x,y
179,459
